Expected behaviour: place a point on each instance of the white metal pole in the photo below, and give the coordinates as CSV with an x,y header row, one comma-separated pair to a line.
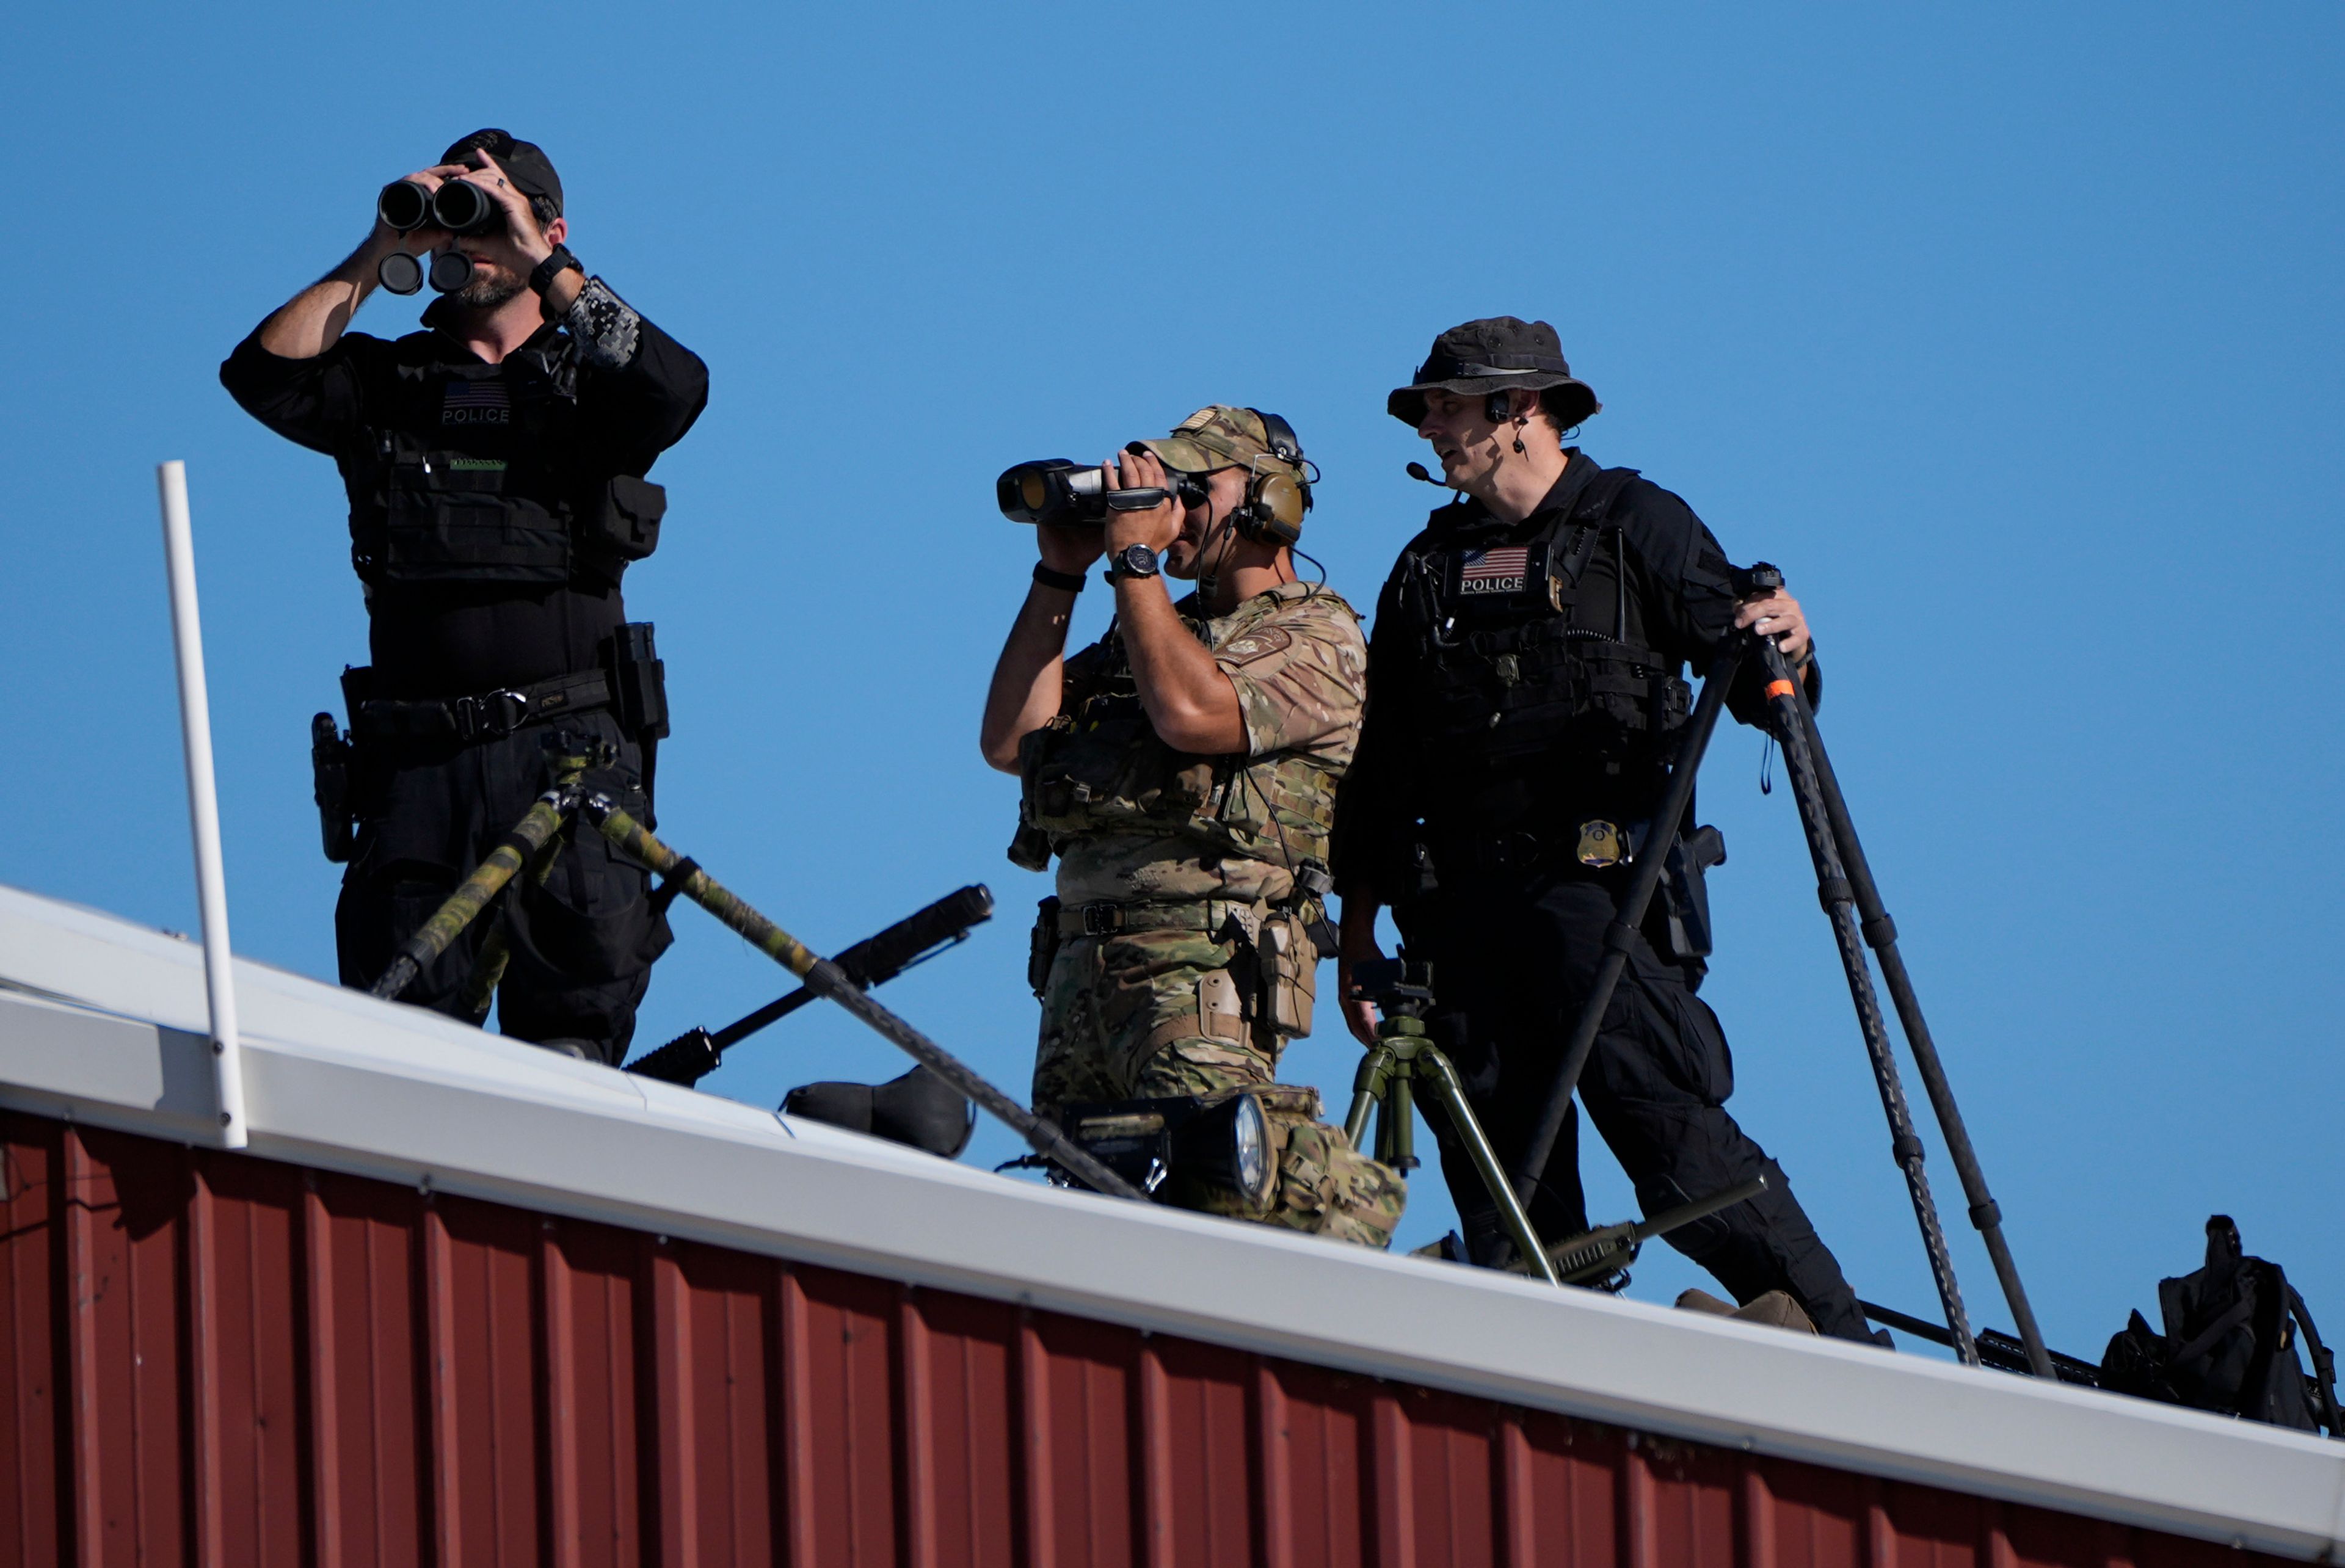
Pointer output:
x,y
203,803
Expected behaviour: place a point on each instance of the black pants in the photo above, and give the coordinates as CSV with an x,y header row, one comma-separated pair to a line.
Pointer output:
x,y
582,944
1514,954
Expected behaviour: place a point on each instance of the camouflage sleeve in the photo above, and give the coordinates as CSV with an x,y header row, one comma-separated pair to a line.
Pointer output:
x,y
1301,677
604,327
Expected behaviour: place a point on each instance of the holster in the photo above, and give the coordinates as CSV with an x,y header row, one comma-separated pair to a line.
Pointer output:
x,y
330,773
638,681
1685,896
1042,946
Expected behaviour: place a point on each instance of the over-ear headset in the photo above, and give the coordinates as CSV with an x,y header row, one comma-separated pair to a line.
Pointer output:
x,y
1275,499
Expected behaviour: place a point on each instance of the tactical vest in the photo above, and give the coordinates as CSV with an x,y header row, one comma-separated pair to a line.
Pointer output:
x,y
1512,676
479,475
1099,766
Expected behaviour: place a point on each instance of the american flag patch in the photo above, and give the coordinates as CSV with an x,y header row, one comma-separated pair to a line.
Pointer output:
x,y
1498,571
471,403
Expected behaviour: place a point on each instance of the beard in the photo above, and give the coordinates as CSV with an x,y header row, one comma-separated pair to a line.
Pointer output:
x,y
487,290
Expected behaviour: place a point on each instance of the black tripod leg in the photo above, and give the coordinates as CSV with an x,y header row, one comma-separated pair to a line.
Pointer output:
x,y
1881,936
1840,904
1621,934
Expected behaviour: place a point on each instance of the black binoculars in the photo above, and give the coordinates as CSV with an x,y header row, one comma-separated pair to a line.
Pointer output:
x,y
458,206
1055,491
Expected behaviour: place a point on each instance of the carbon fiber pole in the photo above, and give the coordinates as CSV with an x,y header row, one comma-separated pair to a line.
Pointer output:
x,y
1621,934
827,979
1840,903
529,836
1879,934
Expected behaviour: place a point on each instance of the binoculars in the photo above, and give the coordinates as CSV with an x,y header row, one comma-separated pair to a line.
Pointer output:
x,y
1054,491
458,206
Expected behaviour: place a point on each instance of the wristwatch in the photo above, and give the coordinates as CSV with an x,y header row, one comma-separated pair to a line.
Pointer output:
x,y
1132,560
542,274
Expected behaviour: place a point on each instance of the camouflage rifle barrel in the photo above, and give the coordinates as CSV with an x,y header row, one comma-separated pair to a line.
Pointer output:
x,y
826,978
488,879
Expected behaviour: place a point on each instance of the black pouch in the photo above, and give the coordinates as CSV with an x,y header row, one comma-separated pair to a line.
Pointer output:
x,y
623,521
1042,946
451,520
1029,848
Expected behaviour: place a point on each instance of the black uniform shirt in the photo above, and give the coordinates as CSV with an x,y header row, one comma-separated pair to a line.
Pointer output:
x,y
638,391
1657,580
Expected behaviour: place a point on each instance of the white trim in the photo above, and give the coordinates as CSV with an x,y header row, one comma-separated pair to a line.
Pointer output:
x,y
102,1021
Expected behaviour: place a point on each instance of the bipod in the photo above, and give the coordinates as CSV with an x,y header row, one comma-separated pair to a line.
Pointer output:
x,y
1600,1259
532,840
826,978
538,828
1402,1059
1653,858
1844,885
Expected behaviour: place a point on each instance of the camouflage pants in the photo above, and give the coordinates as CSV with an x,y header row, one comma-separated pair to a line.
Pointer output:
x,y
1155,1014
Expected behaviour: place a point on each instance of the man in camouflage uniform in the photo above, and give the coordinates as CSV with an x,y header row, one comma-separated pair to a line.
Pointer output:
x,y
1183,770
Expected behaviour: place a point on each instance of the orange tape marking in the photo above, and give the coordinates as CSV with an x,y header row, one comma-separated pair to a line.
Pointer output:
x,y
1779,688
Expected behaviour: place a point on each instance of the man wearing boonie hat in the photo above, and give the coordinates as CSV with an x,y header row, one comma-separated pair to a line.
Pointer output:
x,y
1183,769
496,464
1524,693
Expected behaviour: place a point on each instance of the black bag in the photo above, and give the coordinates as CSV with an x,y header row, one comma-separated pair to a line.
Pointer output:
x,y
2229,1344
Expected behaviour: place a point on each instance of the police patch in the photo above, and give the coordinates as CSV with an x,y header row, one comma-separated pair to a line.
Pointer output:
x,y
1259,643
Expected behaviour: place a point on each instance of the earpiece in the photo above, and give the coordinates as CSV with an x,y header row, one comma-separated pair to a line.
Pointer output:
x,y
1275,502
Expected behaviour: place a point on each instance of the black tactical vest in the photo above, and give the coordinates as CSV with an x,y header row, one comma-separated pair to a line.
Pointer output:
x,y
1519,673
478,474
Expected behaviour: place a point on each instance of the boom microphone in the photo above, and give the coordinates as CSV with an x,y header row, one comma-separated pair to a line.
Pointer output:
x,y
1417,471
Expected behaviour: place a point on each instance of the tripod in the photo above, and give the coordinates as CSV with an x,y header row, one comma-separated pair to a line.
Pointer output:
x,y
537,836
1402,1059
1845,888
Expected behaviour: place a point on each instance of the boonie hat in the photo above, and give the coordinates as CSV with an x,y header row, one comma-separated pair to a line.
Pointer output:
x,y
1221,437
524,162
1494,355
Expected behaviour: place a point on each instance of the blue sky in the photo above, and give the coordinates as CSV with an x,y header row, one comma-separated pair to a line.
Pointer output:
x,y
2011,332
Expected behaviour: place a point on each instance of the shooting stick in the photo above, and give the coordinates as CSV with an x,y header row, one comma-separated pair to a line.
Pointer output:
x,y
1845,884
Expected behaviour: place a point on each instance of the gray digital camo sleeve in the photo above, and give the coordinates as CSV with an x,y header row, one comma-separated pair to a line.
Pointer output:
x,y
604,327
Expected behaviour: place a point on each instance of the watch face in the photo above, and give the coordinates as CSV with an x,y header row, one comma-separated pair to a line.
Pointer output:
x,y
1138,559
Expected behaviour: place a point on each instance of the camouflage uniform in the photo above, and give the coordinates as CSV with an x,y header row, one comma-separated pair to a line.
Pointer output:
x,y
1178,959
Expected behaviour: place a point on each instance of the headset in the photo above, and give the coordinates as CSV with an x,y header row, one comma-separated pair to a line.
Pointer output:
x,y
1275,502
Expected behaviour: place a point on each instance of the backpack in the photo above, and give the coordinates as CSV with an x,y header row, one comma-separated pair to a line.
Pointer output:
x,y
2229,1344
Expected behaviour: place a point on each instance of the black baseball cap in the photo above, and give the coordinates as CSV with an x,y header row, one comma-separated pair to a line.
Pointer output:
x,y
524,162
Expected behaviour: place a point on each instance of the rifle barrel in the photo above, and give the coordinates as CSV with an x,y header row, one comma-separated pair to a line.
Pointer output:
x,y
874,961
1700,1208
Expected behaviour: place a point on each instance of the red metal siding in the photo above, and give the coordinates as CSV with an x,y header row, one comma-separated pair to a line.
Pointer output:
x,y
214,1358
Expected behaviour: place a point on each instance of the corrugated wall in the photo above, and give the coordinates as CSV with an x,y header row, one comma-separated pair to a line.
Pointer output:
x,y
216,1359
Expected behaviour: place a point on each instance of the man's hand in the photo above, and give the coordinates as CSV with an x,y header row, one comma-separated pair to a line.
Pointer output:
x,y
386,240
1358,946
1157,527
1068,547
520,222
1777,614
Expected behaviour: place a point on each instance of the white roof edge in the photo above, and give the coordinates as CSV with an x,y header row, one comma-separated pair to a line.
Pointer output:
x,y
101,1021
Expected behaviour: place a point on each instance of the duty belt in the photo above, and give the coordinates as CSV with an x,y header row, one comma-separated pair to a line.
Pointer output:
x,y
1516,850
1107,918
489,715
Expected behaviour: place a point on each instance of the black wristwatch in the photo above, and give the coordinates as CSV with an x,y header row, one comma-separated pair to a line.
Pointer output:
x,y
542,274
1132,560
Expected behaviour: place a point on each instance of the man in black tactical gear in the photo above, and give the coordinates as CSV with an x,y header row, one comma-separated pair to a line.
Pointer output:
x,y
1524,690
495,466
